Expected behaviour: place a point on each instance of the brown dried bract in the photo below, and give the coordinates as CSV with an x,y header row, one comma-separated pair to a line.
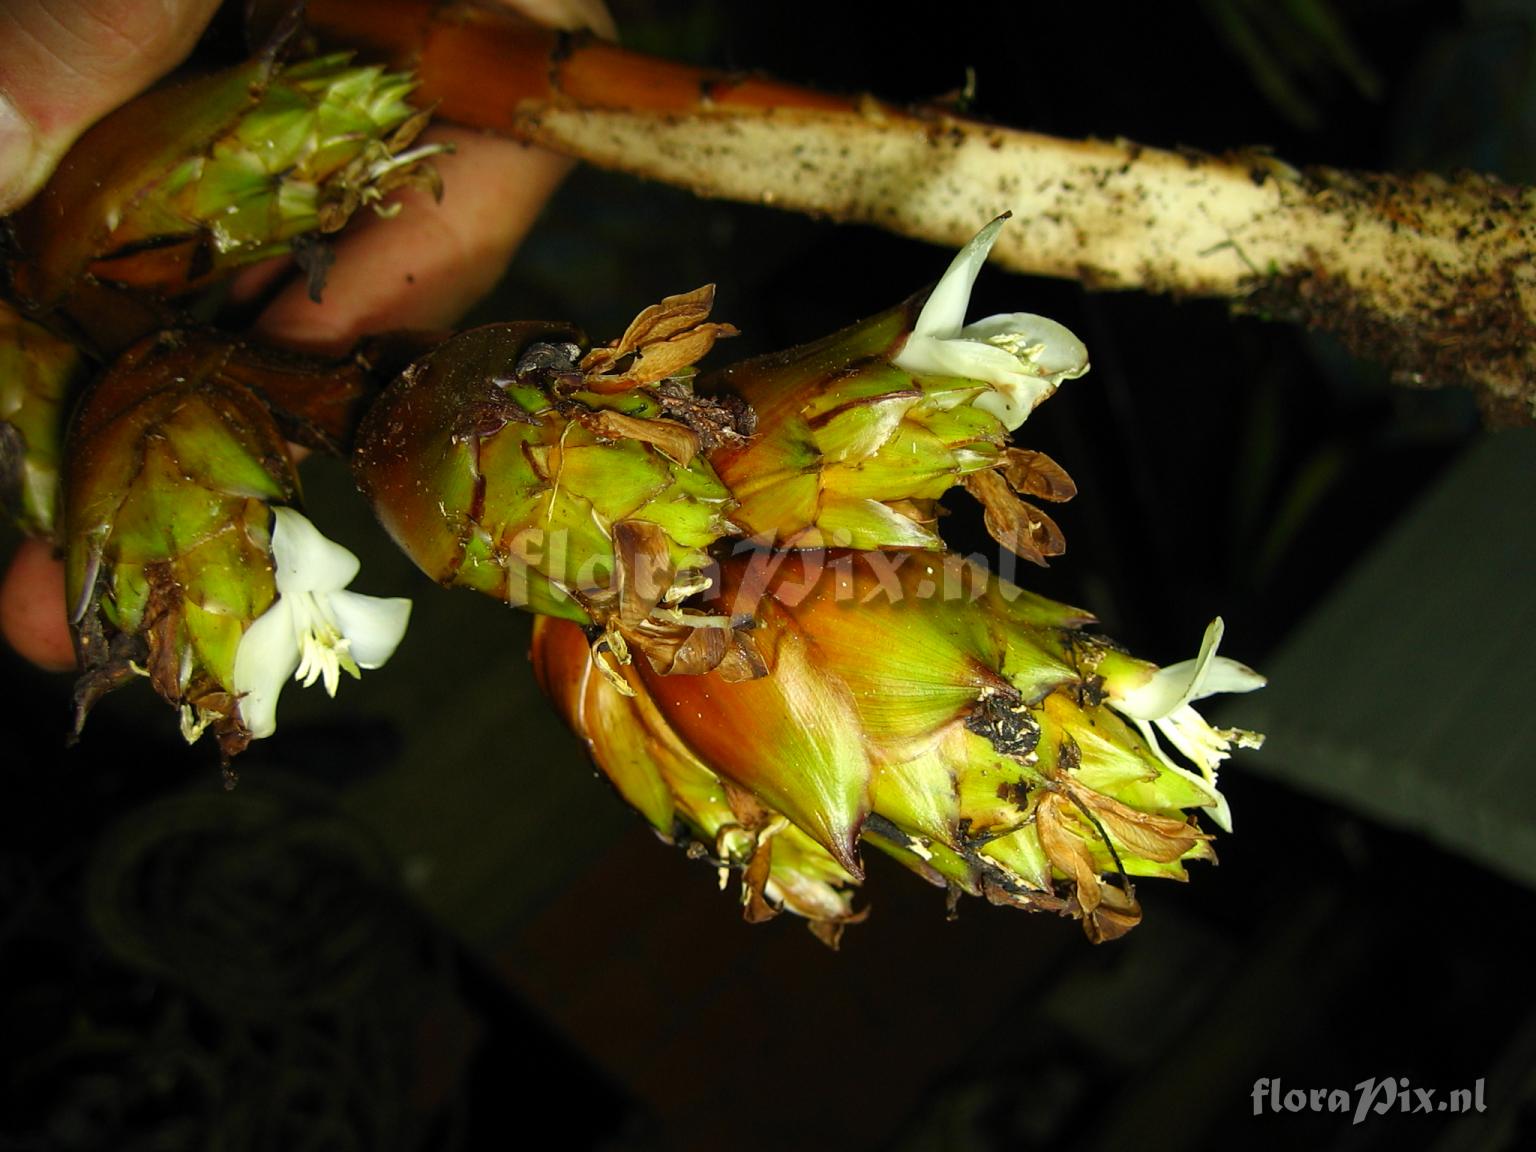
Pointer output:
x,y
671,439
1015,524
1031,473
1108,911
643,578
717,420
1160,838
662,341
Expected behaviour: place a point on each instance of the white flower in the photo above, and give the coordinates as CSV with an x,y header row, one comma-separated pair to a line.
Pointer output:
x,y
315,628
1023,356
1163,698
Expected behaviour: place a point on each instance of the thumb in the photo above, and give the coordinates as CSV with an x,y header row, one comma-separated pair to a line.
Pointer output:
x,y
66,63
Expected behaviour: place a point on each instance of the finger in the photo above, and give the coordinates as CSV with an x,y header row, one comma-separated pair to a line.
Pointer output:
x,y
66,63
427,266
568,15
32,615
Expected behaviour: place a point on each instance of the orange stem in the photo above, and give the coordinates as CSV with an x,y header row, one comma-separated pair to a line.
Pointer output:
x,y
478,65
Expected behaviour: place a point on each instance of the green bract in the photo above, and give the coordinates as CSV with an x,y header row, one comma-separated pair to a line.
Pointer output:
x,y
216,172
683,798
496,466
38,372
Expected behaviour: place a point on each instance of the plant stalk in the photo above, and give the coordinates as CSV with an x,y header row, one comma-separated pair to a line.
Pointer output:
x,y
1429,275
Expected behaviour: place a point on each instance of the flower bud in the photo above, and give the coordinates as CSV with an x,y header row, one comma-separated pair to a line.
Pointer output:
x,y
195,179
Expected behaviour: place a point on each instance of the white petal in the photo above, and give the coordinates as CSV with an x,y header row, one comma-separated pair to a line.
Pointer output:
x,y
944,312
1226,675
1174,685
1054,351
1159,696
1221,813
374,626
1214,631
1192,734
267,656
1015,398
1218,810
972,359
1023,356
305,560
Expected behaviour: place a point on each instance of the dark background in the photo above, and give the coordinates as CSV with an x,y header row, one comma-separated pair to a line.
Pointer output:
x,y
420,922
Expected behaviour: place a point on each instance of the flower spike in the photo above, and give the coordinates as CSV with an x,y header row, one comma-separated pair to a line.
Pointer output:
x,y
914,703
175,464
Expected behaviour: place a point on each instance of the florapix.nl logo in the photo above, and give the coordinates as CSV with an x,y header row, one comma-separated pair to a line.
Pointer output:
x,y
1372,1097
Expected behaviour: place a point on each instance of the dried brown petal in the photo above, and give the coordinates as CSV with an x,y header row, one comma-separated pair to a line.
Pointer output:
x,y
642,569
692,650
663,340
669,357
752,815
1032,473
1108,912
750,812
1117,913
1160,838
162,618
1066,850
643,577
755,906
1015,524
673,315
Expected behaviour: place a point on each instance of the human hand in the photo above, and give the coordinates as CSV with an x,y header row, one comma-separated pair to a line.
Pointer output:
x,y
65,64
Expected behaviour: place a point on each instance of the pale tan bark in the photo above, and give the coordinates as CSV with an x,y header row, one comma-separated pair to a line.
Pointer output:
x,y
1431,276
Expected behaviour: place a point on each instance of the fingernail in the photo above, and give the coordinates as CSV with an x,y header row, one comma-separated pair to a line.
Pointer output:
x,y
18,148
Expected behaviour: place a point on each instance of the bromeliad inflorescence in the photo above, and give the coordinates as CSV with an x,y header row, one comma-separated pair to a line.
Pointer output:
x,y
186,563
748,611
186,184
774,699
915,703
